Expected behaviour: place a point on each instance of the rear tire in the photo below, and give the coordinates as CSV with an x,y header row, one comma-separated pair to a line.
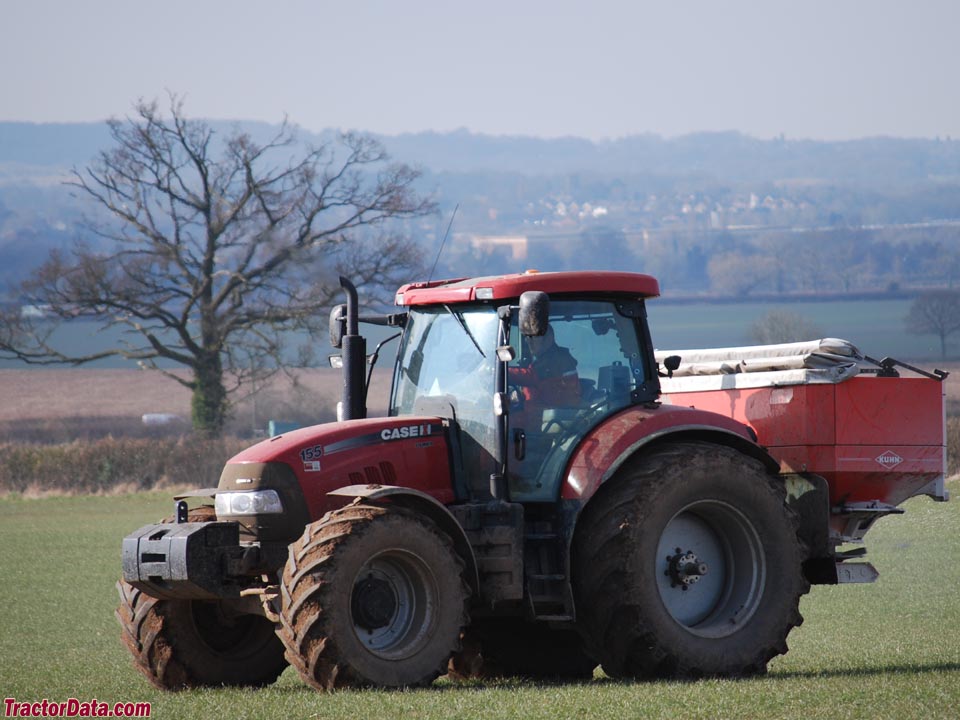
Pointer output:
x,y
372,595
688,564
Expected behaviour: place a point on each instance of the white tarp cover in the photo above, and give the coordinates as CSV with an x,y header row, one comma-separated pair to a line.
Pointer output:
x,y
829,360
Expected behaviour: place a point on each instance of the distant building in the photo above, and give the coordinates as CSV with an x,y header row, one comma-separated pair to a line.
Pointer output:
x,y
519,245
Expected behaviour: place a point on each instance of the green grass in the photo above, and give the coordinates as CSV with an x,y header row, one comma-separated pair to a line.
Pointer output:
x,y
890,650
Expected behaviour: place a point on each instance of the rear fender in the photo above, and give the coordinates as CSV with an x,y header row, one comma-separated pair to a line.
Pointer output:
x,y
609,445
427,505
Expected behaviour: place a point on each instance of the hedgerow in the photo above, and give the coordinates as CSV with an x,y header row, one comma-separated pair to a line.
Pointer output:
x,y
111,465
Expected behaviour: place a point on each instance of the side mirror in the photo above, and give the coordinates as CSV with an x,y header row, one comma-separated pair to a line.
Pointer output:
x,y
534,313
671,363
338,325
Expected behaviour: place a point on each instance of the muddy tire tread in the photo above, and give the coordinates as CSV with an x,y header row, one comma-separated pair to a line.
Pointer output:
x,y
614,624
308,628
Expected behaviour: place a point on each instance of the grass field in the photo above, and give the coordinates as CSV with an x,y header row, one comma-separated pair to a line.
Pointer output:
x,y
890,650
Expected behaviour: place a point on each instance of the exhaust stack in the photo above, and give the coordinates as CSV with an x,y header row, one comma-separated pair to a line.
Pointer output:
x,y
354,359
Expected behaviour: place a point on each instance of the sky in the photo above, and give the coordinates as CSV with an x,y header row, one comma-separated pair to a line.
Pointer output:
x,y
818,69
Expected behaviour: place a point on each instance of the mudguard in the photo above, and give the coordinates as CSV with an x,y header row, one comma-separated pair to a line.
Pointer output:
x,y
611,443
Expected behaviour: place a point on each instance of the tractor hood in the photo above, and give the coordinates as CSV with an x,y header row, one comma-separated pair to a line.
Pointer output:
x,y
323,458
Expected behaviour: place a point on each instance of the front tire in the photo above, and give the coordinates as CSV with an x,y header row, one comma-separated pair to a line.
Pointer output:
x,y
372,595
178,644
688,564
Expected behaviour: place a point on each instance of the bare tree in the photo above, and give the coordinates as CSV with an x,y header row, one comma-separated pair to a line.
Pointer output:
x,y
215,247
782,326
936,312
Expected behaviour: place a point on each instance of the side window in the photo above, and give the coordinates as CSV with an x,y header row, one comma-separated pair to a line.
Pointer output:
x,y
606,348
592,347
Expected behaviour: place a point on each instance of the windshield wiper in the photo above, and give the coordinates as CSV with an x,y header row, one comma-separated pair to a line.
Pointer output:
x,y
462,324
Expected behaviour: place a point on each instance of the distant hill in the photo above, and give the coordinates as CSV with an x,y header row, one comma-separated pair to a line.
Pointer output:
x,y
70,144
726,156
61,144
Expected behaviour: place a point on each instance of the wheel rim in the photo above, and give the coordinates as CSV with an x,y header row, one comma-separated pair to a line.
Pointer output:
x,y
393,604
710,568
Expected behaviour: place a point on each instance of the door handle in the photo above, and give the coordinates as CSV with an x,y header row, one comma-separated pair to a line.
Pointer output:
x,y
519,444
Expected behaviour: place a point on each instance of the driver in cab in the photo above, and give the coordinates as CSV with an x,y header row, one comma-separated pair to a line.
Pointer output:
x,y
549,379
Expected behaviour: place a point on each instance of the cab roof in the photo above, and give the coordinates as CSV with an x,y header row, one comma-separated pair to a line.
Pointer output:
x,y
503,287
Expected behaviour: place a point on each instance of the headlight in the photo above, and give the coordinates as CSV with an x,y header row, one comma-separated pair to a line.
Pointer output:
x,y
255,502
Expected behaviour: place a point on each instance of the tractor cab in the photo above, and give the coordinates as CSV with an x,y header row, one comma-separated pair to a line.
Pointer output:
x,y
523,374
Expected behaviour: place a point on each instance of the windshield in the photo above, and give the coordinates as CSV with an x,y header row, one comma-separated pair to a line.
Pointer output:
x,y
446,355
445,367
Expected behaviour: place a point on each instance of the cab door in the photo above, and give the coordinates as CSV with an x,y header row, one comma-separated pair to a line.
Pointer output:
x,y
610,371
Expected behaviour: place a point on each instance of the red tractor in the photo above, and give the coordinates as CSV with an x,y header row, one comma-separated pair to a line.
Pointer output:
x,y
545,495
